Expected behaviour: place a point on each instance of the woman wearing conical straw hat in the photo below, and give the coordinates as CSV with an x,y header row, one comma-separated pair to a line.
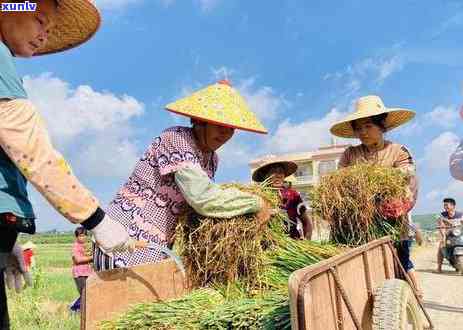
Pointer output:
x,y
368,123
26,154
176,172
300,224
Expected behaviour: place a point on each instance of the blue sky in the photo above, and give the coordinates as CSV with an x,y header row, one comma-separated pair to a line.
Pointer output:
x,y
300,64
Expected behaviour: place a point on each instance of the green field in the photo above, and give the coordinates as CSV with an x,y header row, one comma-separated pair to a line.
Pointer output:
x,y
45,305
426,221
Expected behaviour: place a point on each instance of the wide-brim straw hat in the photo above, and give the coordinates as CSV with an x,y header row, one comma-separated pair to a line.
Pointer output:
x,y
260,173
218,104
75,23
369,106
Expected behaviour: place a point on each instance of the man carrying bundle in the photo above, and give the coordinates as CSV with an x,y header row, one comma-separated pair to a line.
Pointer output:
x,y
300,224
369,123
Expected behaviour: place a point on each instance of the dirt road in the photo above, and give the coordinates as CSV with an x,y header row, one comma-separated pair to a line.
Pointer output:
x,y
443,293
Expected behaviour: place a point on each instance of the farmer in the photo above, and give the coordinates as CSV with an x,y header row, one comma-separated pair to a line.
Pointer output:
x,y
177,171
368,123
450,216
300,224
26,152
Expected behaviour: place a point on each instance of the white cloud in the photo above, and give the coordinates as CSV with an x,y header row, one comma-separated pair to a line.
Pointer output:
x,y
307,135
387,67
92,129
437,153
443,116
262,100
87,125
108,157
235,153
454,189
370,72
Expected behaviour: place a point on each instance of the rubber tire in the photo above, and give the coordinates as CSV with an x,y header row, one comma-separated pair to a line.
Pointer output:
x,y
459,264
394,302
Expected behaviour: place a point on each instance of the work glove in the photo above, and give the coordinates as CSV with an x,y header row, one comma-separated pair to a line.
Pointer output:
x,y
16,273
394,208
111,236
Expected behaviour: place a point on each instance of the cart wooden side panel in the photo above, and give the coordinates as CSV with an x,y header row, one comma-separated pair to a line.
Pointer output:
x,y
108,294
316,291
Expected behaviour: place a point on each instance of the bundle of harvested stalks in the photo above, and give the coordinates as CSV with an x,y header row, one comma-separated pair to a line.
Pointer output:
x,y
226,250
352,200
232,306
183,313
245,265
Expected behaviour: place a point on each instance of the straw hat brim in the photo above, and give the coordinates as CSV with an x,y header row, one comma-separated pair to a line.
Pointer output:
x,y
259,173
395,118
75,23
244,128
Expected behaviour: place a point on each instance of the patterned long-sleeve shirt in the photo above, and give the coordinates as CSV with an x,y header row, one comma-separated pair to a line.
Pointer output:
x,y
173,174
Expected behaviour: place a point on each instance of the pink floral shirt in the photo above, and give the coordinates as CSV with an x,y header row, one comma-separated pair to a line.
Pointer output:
x,y
149,203
78,251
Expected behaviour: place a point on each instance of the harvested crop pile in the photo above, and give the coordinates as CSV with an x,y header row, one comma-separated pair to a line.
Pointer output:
x,y
252,294
226,250
362,203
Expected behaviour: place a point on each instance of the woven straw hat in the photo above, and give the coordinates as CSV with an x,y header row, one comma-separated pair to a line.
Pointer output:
x,y
369,106
75,23
218,104
260,173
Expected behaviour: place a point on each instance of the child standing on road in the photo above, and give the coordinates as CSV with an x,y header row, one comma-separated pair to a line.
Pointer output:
x,y
81,268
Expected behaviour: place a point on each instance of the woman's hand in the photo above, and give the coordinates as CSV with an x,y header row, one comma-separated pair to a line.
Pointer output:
x,y
265,212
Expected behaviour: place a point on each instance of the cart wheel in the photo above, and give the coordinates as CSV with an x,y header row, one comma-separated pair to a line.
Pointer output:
x,y
395,307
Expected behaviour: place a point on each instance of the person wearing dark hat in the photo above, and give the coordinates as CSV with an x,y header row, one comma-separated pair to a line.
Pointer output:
x,y
26,152
300,224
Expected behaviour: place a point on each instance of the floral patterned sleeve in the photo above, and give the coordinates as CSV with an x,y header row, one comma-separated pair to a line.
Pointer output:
x,y
456,163
208,199
24,138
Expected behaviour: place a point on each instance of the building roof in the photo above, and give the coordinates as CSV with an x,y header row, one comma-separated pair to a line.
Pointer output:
x,y
320,153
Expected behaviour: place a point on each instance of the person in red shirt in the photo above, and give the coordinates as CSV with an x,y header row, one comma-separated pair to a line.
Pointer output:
x,y
81,268
300,224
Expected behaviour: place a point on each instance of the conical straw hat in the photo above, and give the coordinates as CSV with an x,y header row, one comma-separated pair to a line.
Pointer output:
x,y
369,106
219,104
75,23
260,173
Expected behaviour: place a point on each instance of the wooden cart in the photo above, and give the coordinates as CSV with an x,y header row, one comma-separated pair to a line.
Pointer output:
x,y
364,288
108,294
